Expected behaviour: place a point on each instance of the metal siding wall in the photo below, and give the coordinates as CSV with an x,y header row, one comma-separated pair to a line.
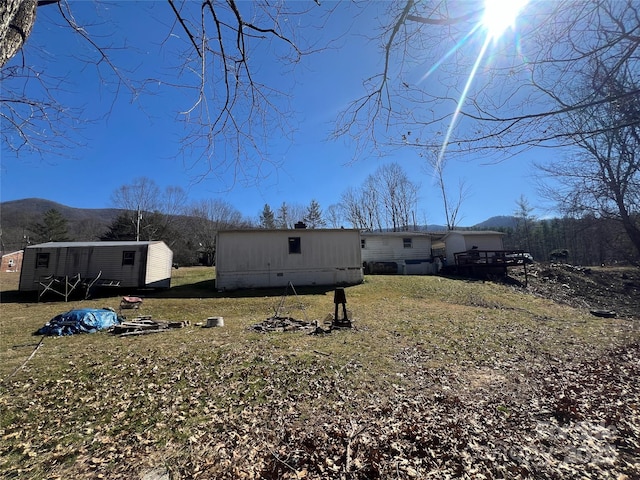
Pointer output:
x,y
89,261
250,251
81,260
60,264
159,264
349,276
59,260
391,248
489,242
108,259
255,259
28,272
454,243
378,249
459,243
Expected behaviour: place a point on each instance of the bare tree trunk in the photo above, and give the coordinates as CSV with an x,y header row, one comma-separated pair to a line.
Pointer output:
x,y
630,226
16,21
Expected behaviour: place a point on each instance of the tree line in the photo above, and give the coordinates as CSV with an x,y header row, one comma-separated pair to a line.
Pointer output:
x,y
190,229
148,212
587,240
580,240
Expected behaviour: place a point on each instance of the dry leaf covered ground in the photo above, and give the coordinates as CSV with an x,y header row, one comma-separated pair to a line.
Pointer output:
x,y
439,378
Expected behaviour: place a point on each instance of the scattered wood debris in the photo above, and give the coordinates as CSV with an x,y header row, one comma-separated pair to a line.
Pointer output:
x,y
289,324
282,324
144,325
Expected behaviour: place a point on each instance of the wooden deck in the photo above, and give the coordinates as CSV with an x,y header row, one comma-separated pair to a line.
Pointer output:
x,y
486,262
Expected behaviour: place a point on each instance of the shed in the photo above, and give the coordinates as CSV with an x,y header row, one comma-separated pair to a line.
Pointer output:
x,y
406,253
126,264
273,258
456,241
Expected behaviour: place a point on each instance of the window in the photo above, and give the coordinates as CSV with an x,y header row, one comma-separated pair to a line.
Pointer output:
x,y
407,242
363,243
42,260
128,257
294,245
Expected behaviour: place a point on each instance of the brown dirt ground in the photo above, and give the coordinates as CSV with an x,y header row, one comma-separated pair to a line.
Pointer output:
x,y
615,289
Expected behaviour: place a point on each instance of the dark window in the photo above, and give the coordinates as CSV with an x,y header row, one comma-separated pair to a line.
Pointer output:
x,y
407,243
42,260
363,243
128,257
294,245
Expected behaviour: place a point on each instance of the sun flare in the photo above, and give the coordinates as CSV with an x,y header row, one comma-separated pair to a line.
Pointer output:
x,y
500,15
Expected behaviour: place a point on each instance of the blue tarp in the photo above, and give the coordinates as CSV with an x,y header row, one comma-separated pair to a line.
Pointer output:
x,y
85,320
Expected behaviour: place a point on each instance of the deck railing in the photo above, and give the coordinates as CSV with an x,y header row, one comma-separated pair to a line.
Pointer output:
x,y
496,258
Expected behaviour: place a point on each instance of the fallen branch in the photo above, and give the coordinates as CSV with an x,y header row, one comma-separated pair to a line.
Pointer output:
x,y
27,360
352,436
142,332
280,460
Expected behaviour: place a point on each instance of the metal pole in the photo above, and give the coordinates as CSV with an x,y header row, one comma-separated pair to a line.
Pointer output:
x,y
138,225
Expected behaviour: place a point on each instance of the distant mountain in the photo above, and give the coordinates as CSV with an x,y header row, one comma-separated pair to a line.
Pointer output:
x,y
17,216
435,228
500,221
13,210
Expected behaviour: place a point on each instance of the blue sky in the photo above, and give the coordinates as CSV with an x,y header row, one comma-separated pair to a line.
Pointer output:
x,y
121,138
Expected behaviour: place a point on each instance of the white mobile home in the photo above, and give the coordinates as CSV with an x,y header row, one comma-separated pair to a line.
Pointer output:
x,y
406,253
127,264
273,258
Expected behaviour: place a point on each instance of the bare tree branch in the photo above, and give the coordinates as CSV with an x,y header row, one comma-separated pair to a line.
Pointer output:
x,y
518,97
236,108
603,177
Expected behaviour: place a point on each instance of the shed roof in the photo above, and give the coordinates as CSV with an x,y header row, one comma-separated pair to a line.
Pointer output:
x,y
471,233
287,230
397,234
93,244
439,238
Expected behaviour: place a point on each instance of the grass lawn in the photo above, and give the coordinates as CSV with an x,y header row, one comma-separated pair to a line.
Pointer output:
x,y
438,378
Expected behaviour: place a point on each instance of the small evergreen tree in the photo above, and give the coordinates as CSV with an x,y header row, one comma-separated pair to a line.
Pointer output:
x,y
122,228
313,217
524,219
267,218
283,216
151,226
53,228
